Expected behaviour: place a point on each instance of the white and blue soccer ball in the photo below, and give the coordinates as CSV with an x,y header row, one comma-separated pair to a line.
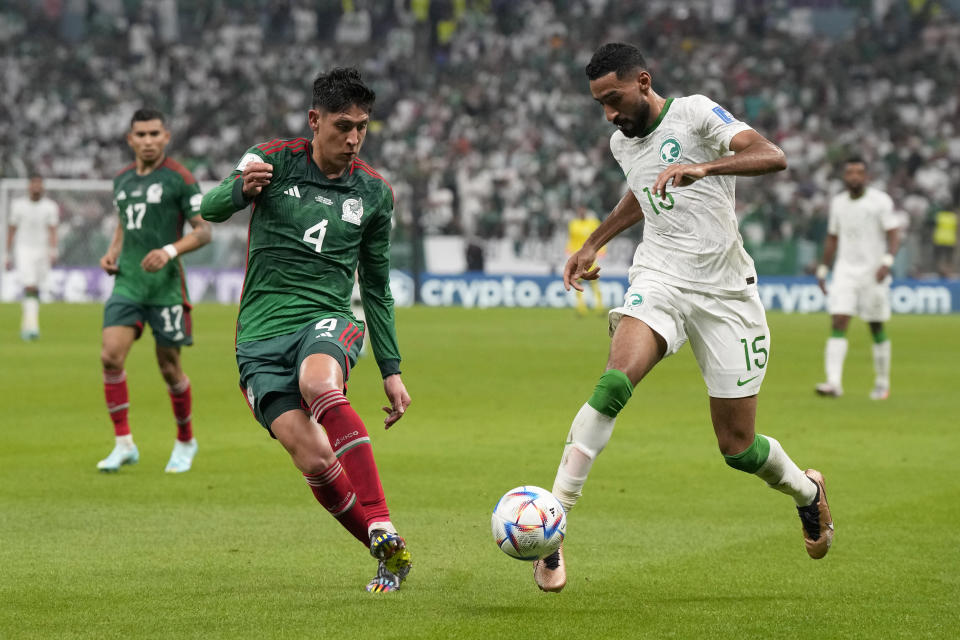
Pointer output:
x,y
528,523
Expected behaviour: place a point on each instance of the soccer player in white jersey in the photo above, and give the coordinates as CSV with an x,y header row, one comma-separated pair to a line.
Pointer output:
x,y
691,280
32,231
863,233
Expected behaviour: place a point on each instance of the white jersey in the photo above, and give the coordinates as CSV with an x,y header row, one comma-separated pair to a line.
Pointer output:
x,y
691,239
861,226
33,220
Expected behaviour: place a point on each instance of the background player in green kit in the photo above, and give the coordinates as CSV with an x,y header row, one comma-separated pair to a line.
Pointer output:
x,y
154,197
319,214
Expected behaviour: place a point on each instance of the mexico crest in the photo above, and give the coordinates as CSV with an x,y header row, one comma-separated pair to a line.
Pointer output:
x,y
352,210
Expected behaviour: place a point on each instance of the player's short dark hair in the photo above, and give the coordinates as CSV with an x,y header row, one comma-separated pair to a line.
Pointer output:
x,y
855,159
616,57
145,114
341,88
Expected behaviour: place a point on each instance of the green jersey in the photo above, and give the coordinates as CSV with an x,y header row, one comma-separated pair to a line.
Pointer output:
x,y
152,209
308,235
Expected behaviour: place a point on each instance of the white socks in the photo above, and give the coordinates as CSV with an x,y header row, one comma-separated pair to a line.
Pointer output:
x,y
30,321
126,441
782,474
589,434
881,364
834,356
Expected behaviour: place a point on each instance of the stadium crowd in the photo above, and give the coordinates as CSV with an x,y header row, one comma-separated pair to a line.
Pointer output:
x,y
484,124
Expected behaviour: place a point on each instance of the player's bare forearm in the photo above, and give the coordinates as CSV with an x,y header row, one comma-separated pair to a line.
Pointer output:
x,y
626,214
753,155
109,260
11,234
582,264
198,237
893,241
829,249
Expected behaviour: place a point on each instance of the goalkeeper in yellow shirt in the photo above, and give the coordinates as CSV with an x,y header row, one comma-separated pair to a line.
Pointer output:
x,y
579,229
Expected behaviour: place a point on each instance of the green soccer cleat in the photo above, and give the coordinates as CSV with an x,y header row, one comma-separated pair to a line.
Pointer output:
x,y
391,550
182,456
121,455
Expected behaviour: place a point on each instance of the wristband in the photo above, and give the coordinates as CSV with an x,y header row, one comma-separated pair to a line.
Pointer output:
x,y
171,250
887,260
822,271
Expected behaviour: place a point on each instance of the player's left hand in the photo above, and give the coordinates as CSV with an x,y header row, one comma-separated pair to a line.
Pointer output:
x,y
398,397
680,175
882,273
155,260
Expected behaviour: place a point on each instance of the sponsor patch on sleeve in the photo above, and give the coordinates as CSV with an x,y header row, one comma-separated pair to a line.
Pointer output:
x,y
195,201
724,115
247,159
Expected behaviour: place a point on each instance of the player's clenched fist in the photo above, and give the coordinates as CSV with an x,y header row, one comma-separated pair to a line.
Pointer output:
x,y
256,176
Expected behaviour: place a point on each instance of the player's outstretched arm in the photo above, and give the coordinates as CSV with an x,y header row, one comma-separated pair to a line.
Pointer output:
x,y
753,155
398,398
582,264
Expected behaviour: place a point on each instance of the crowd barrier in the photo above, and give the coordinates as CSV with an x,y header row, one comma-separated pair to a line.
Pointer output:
x,y
476,290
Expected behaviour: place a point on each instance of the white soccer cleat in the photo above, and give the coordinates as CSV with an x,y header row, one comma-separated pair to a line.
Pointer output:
x,y
122,454
827,389
880,393
182,456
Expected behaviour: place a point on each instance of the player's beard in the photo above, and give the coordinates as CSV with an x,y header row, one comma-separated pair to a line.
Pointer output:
x,y
630,125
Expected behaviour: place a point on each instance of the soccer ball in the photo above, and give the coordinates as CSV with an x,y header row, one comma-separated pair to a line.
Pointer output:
x,y
528,523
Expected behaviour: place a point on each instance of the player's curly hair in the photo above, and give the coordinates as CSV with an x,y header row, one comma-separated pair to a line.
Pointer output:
x,y
618,57
341,88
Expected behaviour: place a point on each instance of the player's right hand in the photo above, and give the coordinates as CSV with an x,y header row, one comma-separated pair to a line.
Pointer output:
x,y
256,176
109,264
580,266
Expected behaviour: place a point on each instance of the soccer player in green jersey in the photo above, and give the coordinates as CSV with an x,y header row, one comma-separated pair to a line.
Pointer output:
x,y
319,214
154,197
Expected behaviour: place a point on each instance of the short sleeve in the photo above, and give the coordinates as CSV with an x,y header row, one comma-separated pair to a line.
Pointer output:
x,y
53,214
888,217
190,198
833,218
715,124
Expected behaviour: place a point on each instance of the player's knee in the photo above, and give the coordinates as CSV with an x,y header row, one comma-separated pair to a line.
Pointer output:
x,y
110,359
612,392
747,459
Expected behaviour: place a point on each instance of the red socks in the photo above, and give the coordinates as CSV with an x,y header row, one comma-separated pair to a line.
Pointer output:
x,y
351,444
118,400
180,397
335,492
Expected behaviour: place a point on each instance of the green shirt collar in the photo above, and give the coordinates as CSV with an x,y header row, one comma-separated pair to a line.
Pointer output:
x,y
656,123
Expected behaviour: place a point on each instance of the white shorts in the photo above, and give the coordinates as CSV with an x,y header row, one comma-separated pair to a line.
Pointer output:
x,y
729,335
32,267
862,297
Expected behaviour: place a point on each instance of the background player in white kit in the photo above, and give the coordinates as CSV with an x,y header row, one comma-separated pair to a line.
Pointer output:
x,y
32,232
863,233
690,279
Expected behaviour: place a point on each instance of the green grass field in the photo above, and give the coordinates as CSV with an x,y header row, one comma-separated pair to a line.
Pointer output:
x,y
667,542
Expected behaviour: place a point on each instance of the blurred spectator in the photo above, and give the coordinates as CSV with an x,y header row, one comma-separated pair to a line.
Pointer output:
x,y
481,103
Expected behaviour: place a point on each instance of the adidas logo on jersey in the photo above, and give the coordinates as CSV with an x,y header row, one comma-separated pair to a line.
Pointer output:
x,y
293,191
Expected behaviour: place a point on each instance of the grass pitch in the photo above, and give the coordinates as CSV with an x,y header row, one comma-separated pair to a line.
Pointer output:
x,y
667,541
